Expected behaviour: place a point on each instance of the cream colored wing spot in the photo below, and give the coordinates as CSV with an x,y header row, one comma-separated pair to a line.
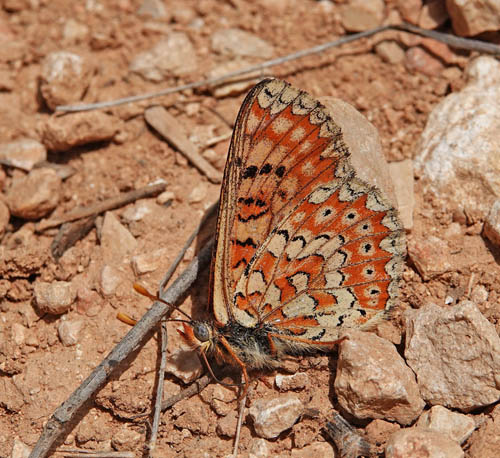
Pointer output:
x,y
277,244
281,125
270,92
272,295
295,247
303,105
376,202
338,259
394,267
351,190
350,218
364,228
345,297
297,134
256,282
313,247
369,272
393,243
300,305
320,195
299,281
329,248
329,129
390,221
334,279
318,116
284,100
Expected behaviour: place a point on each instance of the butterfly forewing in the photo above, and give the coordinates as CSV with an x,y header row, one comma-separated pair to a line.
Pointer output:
x,y
303,246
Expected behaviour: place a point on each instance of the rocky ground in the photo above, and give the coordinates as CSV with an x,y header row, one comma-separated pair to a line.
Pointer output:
x,y
425,383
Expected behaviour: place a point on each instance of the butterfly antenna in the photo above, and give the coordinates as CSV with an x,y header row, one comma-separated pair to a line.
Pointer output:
x,y
143,291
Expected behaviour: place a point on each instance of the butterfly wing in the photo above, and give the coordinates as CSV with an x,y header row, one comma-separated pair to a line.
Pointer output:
x,y
304,247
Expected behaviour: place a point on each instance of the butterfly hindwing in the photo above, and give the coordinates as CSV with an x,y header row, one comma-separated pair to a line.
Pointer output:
x,y
303,246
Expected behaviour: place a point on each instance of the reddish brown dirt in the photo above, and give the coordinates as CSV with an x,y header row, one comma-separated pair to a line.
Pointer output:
x,y
43,371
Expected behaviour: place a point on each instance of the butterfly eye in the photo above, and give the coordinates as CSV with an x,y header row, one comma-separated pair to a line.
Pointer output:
x,y
201,332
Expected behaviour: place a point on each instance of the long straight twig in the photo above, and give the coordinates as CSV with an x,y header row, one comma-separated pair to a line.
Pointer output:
x,y
100,207
56,424
451,40
159,389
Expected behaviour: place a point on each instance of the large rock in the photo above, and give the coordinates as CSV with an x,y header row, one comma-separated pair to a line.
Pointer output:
x,y
473,17
373,380
458,150
455,353
172,56
419,443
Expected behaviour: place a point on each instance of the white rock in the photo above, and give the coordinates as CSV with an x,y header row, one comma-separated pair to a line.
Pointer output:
x,y
458,427
418,443
18,332
23,153
20,449
69,331
458,150
296,381
149,262
272,416
110,279
54,298
184,364
236,42
65,76
117,242
455,353
172,56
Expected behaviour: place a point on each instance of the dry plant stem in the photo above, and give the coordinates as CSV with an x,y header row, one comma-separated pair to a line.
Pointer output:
x,y
159,389
66,411
451,40
240,422
69,234
100,207
195,388
211,211
173,132
78,453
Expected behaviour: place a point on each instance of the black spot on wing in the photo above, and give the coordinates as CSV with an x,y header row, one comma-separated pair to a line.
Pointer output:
x,y
250,172
280,171
247,242
266,168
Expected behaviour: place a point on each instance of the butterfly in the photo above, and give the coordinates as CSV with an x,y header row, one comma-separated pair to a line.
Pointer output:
x,y
304,249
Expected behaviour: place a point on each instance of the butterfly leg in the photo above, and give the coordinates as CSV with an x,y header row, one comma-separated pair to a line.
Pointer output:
x,y
240,363
299,340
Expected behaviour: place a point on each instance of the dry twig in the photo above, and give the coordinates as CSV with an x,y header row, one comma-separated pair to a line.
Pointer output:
x,y
451,40
100,207
172,131
159,389
63,415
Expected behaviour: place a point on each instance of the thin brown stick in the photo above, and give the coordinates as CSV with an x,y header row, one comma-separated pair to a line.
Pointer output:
x,y
63,415
69,234
241,412
100,207
451,40
159,390
210,212
81,453
173,132
196,387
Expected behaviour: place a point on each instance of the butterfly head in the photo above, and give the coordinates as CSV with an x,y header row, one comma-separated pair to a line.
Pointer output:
x,y
198,334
